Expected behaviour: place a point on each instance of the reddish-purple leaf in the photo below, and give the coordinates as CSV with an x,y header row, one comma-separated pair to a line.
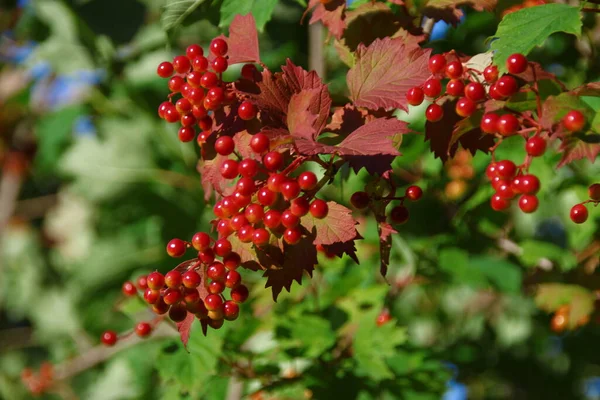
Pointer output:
x,y
338,226
243,40
385,245
330,14
556,107
300,119
346,120
340,249
311,148
385,71
297,259
588,89
210,175
573,149
184,327
377,137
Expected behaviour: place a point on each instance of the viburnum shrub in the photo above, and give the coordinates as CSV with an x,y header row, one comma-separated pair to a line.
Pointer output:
x,y
270,141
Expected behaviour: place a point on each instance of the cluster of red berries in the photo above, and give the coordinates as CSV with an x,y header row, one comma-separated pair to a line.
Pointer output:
x,y
398,214
266,200
508,182
198,89
579,212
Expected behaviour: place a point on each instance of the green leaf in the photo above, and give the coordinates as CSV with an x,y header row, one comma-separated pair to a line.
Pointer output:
x,y
526,101
176,11
260,9
521,31
533,251
311,333
504,275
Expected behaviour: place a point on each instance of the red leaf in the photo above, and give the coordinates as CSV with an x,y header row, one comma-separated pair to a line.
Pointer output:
x,y
574,148
338,226
588,89
385,245
247,253
347,119
310,148
385,71
300,120
374,138
297,259
331,14
184,327
243,40
211,178
341,248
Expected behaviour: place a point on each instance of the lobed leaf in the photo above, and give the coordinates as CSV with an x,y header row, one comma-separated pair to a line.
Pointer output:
x,y
330,14
338,226
243,40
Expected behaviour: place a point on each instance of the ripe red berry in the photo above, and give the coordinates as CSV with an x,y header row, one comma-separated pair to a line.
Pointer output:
x,y
399,215
200,64
193,51
216,271
220,64
193,78
434,113
245,234
574,121
205,123
245,186
248,168
414,192
254,213
213,302
155,280
224,145
506,169
176,248
516,63
183,105
171,114
455,87
246,111
494,94
307,181
232,260
507,125
218,47
172,296
275,181
249,71
594,191
241,200
129,289
173,279
273,161
163,107
260,237
200,241
239,294
233,279
177,312
490,74
230,310
515,185
191,279
238,221
290,189
489,123
437,63
504,189
142,282
529,184
160,307
491,171
579,213
360,200
475,91
206,256
499,203
222,247
506,86
319,208
165,69
292,235
289,220
229,169
151,296
465,107
300,206
181,64
272,219
259,143
109,338
415,96
209,80
454,70
535,146
432,87
528,203
143,329
175,84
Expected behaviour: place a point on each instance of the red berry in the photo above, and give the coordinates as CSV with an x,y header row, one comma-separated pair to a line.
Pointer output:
x,y
218,47
290,189
594,191
528,203
171,115
176,248
247,111
475,91
535,146
196,97
175,84
193,51
465,107
143,329
183,105
222,247
249,71
273,160
188,120
494,94
224,228
162,108
319,208
259,143
213,302
504,189
455,87
506,86
109,338
216,94
205,123
516,63
399,215
254,213
248,168
224,145
529,184
172,296
506,169
177,312
499,203
272,219
579,213
432,87
151,296
241,200
507,125
360,200
165,69
490,74
383,318
414,192
434,113
275,182
160,307
232,261
216,271
230,310
155,280
300,206
489,123
289,220
491,171
229,169
415,96
437,63
191,279
515,185
292,235
201,241
206,256
182,64
260,237
307,181
142,282
239,294
233,279
193,78
238,221
220,64
209,80
245,234
173,279
574,121
245,186
454,70
200,64
129,289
